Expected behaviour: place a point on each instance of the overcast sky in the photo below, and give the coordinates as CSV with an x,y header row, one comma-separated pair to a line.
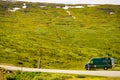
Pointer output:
x,y
78,1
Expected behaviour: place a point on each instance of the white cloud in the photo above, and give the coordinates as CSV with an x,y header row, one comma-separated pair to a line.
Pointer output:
x,y
78,1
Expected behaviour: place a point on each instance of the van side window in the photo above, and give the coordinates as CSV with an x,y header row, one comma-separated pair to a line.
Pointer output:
x,y
96,61
105,61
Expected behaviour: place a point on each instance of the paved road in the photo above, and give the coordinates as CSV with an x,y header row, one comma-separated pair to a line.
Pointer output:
x,y
94,73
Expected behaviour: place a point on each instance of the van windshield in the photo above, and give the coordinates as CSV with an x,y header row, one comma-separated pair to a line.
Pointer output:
x,y
95,61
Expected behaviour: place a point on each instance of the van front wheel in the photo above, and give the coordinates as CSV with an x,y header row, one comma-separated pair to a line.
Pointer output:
x,y
105,68
88,68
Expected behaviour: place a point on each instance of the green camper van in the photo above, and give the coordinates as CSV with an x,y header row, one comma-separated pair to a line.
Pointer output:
x,y
103,63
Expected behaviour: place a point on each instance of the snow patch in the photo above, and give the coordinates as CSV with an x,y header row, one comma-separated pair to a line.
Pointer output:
x,y
42,6
66,7
73,17
92,5
58,7
14,9
76,6
24,5
68,12
111,13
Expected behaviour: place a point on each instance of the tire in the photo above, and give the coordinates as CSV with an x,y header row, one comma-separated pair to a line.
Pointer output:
x,y
88,68
105,68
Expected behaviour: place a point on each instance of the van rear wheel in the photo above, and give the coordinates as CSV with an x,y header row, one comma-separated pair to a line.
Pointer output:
x,y
105,68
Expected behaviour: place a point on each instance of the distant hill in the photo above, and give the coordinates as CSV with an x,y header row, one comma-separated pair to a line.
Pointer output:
x,y
55,37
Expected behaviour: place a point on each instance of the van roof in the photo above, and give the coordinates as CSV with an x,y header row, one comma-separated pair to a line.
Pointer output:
x,y
101,58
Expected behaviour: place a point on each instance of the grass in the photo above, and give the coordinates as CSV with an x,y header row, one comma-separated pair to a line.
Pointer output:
x,y
59,40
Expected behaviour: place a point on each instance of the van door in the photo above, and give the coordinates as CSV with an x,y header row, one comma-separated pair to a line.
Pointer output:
x,y
98,63
95,63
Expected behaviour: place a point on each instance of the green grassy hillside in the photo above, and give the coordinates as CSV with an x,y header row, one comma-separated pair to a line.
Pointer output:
x,y
54,36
